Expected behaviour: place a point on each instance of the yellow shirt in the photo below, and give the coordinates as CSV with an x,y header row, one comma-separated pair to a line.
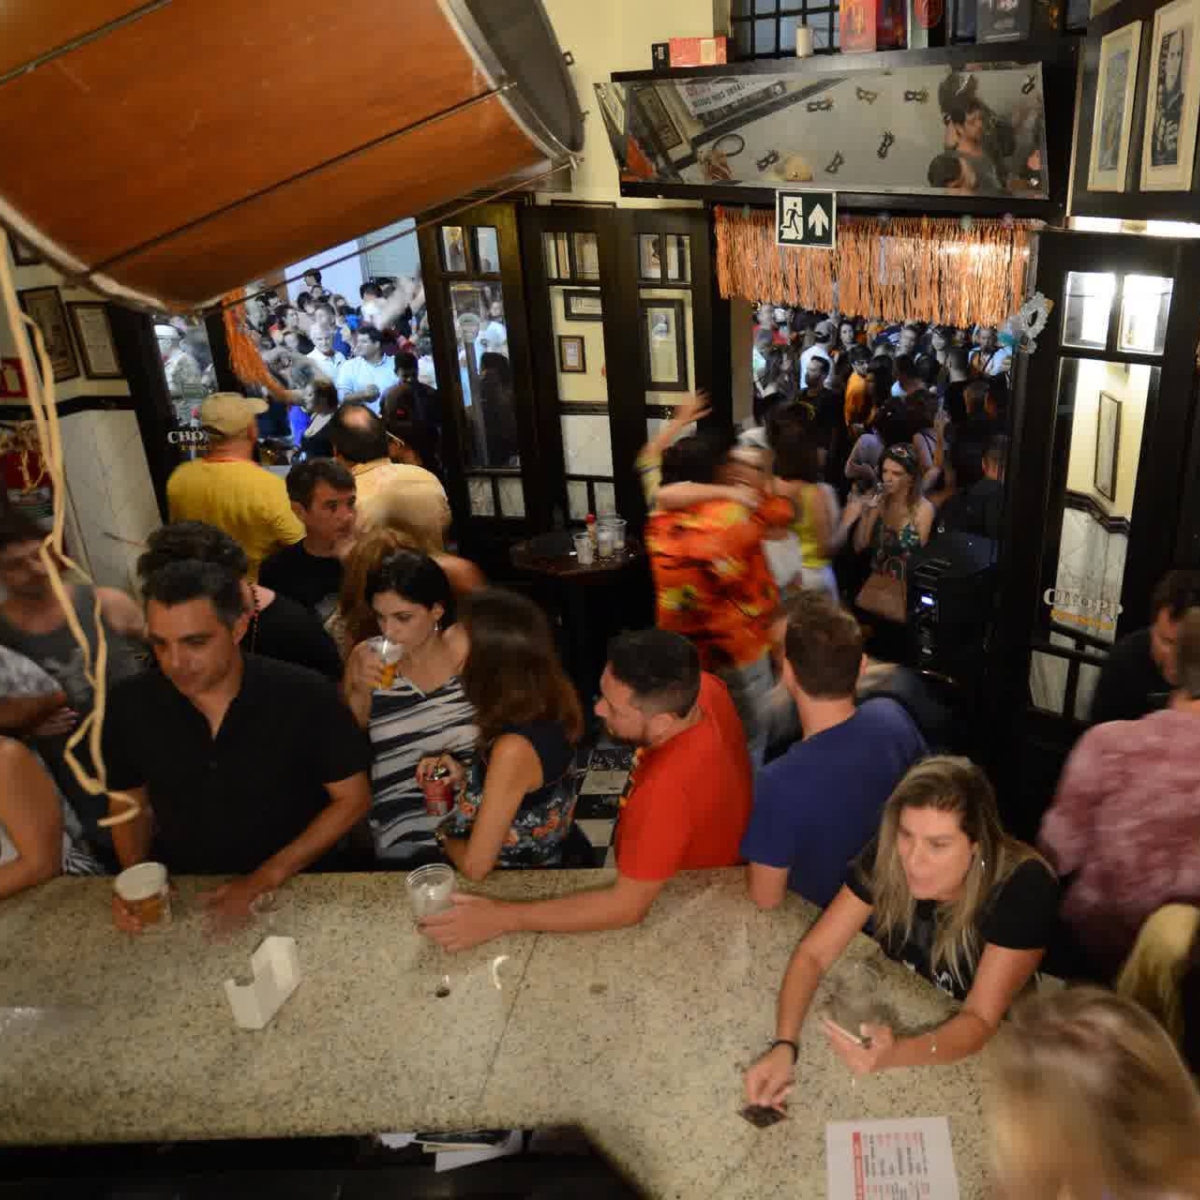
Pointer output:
x,y
245,500
404,497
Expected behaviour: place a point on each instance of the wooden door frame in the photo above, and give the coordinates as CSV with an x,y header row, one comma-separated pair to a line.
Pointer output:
x,y
617,231
477,531
1032,486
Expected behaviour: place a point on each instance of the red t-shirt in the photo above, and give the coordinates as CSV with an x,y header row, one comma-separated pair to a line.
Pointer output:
x,y
690,798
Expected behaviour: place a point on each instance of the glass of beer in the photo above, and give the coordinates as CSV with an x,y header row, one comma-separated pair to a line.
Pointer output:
x,y
146,892
390,654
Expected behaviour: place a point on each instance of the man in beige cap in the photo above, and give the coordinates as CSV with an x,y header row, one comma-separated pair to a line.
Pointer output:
x,y
228,489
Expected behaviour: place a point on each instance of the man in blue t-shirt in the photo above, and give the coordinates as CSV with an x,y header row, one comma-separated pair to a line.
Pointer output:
x,y
817,806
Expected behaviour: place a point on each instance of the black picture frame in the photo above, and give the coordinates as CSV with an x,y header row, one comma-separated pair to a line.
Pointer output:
x,y
576,343
645,310
94,339
1113,455
44,306
573,296
24,255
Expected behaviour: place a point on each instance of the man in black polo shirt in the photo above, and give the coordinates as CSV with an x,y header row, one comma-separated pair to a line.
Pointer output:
x,y
323,495
244,765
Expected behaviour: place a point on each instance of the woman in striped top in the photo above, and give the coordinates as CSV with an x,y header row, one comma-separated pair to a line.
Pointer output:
x,y
421,712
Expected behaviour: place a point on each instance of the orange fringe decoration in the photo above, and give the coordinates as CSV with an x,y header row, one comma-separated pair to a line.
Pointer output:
x,y
906,268
245,360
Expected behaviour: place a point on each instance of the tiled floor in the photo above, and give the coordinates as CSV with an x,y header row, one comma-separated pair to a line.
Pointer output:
x,y
600,795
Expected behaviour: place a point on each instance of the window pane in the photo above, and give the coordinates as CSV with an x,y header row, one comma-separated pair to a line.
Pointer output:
x,y
483,499
1088,306
587,256
577,499
487,250
679,258
743,37
454,250
187,366
512,498
764,37
587,444
743,8
485,376
649,256
606,500
1145,306
1101,411
579,345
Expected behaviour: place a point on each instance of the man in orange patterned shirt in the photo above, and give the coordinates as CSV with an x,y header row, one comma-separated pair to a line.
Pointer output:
x,y
711,577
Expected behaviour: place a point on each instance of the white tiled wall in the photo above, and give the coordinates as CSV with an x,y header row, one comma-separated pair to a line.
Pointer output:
x,y
108,483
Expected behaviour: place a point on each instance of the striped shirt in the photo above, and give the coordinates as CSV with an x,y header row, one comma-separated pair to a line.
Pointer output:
x,y
407,725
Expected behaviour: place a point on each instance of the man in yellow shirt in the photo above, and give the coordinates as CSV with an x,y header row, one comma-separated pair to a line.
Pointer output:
x,y
228,489
402,496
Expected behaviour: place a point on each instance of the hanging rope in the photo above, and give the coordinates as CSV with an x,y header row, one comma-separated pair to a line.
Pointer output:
x,y
44,410
933,269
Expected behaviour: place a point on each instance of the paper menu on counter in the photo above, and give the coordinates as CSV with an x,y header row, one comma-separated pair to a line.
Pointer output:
x,y
908,1159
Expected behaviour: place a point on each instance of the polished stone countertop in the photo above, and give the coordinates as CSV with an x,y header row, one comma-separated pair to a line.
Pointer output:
x,y
637,1036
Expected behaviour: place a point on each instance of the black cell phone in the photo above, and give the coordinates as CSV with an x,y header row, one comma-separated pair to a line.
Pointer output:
x,y
761,1116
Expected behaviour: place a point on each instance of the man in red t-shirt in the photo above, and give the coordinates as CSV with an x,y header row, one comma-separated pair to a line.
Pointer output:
x,y
685,808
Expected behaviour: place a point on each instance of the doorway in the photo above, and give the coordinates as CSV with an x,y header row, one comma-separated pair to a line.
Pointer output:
x,y
1097,481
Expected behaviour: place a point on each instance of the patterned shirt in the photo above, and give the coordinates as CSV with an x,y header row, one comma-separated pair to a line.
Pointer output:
x,y
711,577
21,676
1127,820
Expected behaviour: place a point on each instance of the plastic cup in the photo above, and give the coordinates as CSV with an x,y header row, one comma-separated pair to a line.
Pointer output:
x,y
585,552
605,541
145,889
430,889
390,654
617,525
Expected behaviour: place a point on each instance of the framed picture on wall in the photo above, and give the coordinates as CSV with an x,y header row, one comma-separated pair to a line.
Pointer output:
x,y
24,255
572,357
1108,445
1173,96
1112,118
582,305
44,306
664,345
94,336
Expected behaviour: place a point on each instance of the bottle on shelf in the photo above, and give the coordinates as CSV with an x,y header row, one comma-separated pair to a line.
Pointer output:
x,y
591,529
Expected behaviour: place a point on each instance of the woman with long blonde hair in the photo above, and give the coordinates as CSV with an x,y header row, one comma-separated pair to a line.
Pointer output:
x,y
1088,1098
953,897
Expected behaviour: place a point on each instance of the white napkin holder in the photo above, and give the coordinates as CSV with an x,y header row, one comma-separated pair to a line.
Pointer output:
x,y
276,967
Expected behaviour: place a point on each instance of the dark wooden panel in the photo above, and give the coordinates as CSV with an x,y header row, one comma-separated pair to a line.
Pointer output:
x,y
391,181
32,28
197,105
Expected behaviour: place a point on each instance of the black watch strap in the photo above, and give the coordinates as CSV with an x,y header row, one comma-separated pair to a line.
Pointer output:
x,y
787,1042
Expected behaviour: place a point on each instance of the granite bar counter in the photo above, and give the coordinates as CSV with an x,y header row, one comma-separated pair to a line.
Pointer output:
x,y
638,1037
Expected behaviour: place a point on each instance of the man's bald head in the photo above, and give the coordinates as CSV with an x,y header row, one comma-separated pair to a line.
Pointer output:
x,y
358,434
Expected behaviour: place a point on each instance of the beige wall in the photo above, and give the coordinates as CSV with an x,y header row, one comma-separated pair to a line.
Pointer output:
x,y
110,500
615,35
1129,384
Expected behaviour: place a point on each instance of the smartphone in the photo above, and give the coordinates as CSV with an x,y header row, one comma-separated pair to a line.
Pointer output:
x,y
761,1116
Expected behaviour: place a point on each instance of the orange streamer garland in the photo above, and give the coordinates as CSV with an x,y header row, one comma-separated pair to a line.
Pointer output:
x,y
903,268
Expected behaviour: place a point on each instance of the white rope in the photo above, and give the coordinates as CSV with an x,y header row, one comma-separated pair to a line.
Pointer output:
x,y
44,409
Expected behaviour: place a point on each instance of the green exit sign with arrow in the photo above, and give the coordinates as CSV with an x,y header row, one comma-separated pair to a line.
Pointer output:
x,y
807,219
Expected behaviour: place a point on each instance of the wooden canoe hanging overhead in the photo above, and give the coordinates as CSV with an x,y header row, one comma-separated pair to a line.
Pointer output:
x,y
172,151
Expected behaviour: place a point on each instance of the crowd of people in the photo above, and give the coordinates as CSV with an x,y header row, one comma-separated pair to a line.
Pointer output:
x,y
308,658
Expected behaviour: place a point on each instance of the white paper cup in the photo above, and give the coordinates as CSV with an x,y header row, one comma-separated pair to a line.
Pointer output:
x,y
430,889
617,525
585,552
145,889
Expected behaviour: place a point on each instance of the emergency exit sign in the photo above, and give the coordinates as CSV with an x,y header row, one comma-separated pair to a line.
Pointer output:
x,y
807,219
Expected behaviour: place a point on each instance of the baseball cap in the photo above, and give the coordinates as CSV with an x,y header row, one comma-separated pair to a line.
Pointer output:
x,y
229,413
